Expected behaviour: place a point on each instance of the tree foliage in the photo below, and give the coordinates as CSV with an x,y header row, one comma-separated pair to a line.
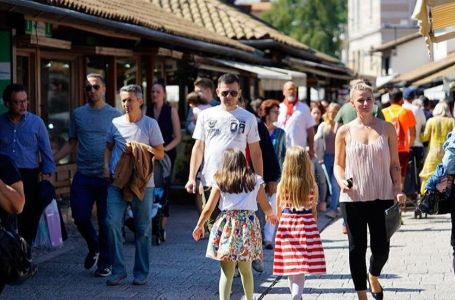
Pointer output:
x,y
316,23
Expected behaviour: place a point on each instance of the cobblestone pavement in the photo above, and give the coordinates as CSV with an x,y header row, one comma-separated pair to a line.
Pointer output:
x,y
419,267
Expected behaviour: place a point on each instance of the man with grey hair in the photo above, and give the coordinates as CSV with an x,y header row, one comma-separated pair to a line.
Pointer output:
x,y
130,136
296,120
87,133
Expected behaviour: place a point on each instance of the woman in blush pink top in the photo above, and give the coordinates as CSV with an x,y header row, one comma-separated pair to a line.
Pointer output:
x,y
367,169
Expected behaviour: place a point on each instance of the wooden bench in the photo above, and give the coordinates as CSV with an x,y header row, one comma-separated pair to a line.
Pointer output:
x,y
62,180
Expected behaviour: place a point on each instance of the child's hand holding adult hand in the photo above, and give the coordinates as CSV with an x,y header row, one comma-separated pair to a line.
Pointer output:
x,y
198,233
272,219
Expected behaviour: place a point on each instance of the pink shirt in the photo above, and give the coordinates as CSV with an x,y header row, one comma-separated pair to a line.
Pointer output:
x,y
369,167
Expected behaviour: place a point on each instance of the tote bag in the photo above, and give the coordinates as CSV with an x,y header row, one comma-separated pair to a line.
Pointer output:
x,y
392,220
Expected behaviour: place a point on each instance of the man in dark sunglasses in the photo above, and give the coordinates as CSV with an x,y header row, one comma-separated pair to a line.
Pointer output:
x,y
89,125
219,128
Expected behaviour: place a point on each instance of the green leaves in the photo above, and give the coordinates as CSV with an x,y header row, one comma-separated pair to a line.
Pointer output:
x,y
316,23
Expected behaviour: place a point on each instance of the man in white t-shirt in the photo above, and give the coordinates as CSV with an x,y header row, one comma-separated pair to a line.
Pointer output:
x,y
417,149
296,120
219,128
145,132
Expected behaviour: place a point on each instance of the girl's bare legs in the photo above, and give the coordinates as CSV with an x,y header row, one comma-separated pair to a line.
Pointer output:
x,y
247,278
296,285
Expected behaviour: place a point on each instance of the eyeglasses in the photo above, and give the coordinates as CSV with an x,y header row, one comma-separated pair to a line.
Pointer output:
x,y
232,93
19,102
88,87
275,111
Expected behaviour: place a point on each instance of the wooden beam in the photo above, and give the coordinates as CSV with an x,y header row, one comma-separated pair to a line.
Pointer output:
x,y
442,37
78,26
28,40
170,53
108,51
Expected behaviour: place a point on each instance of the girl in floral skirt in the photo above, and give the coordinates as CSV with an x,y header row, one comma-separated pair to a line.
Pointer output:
x,y
235,237
298,247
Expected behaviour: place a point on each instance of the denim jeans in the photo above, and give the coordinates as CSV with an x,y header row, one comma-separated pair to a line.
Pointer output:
x,y
85,191
116,207
329,161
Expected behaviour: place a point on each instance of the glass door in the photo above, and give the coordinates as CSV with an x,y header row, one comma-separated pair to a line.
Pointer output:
x,y
56,90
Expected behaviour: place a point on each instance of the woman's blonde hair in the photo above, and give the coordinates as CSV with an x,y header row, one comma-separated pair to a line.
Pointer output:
x,y
359,85
297,179
235,176
441,110
332,106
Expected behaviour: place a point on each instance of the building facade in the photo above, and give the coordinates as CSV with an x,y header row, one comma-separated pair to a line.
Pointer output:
x,y
370,24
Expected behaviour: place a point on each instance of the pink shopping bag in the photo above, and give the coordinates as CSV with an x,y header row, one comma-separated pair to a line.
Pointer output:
x,y
53,224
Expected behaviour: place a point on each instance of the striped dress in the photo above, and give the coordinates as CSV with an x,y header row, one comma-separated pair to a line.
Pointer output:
x,y
298,247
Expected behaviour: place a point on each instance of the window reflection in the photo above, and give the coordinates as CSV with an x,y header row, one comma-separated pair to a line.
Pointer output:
x,y
126,74
55,94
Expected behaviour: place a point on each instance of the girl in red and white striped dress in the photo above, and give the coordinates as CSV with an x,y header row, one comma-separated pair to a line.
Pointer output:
x,y
298,247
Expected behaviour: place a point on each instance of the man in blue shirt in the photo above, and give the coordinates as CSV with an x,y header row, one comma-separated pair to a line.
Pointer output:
x,y
89,125
24,138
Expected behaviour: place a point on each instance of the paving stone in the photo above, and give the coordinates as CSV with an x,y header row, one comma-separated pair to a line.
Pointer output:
x,y
419,267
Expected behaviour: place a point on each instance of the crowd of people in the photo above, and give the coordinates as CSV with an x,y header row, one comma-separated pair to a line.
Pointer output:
x,y
353,160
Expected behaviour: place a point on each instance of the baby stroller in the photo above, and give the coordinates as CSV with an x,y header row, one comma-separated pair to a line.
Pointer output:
x,y
161,171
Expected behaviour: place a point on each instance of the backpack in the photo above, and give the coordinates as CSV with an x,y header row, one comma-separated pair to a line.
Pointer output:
x,y
14,263
401,133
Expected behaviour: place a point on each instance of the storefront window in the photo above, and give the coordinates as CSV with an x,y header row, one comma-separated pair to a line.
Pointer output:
x,y
98,65
23,73
56,99
126,74
22,70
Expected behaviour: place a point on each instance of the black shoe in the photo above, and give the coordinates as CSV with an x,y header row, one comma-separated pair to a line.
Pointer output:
x,y
379,295
103,272
28,274
91,259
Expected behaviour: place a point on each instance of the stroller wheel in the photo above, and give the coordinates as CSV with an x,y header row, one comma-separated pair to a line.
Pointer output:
x,y
417,213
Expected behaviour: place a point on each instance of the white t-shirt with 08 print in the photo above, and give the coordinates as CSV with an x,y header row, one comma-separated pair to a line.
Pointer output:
x,y
221,130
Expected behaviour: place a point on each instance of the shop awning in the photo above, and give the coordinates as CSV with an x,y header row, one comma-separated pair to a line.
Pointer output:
x,y
436,19
436,77
299,78
271,78
322,70
435,93
424,71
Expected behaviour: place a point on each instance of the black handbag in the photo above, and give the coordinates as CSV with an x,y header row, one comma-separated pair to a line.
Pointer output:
x,y
434,202
392,220
14,263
